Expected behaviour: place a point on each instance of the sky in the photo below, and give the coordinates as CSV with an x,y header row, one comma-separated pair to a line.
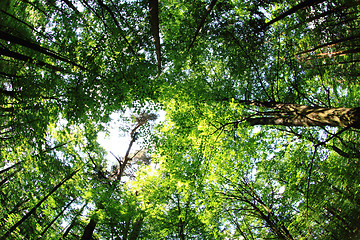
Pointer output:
x,y
117,141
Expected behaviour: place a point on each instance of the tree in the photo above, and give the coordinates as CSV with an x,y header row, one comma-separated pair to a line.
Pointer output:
x,y
117,175
287,114
260,140
32,211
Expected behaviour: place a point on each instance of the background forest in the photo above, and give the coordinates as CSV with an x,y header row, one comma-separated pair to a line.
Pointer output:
x,y
261,138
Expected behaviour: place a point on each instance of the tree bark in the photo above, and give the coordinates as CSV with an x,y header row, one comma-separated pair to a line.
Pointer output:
x,y
15,209
8,168
208,10
89,229
32,211
112,15
14,39
72,224
154,22
8,178
329,44
286,114
70,5
60,213
21,57
136,229
306,3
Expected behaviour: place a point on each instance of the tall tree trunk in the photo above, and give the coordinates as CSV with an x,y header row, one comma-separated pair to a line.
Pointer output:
x,y
89,229
329,44
14,39
70,5
202,22
15,209
32,211
286,114
8,168
181,230
306,3
112,15
154,22
22,57
60,213
72,224
8,178
136,229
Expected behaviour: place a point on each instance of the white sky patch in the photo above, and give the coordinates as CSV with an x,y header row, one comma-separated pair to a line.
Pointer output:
x,y
117,141
281,190
114,143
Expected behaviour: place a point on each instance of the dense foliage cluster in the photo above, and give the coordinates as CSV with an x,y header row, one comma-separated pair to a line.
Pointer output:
x,y
262,132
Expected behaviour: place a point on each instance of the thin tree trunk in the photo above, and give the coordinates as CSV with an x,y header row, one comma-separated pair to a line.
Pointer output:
x,y
72,224
89,229
14,39
126,159
126,229
331,54
28,25
15,209
8,168
235,222
329,44
269,222
337,10
52,222
21,57
32,211
181,223
8,178
126,23
101,3
320,15
306,3
10,76
336,63
208,10
345,154
269,216
136,229
181,229
248,196
286,114
70,5
12,94
154,22
334,213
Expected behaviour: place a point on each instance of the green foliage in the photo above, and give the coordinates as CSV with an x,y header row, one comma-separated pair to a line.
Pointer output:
x,y
66,66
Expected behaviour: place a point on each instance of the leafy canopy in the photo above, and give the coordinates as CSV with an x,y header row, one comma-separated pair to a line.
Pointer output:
x,y
260,138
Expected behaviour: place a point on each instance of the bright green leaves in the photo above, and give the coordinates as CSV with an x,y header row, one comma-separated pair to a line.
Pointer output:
x,y
67,66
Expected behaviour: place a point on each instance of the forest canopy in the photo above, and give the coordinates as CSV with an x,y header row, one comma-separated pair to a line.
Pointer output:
x,y
261,137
